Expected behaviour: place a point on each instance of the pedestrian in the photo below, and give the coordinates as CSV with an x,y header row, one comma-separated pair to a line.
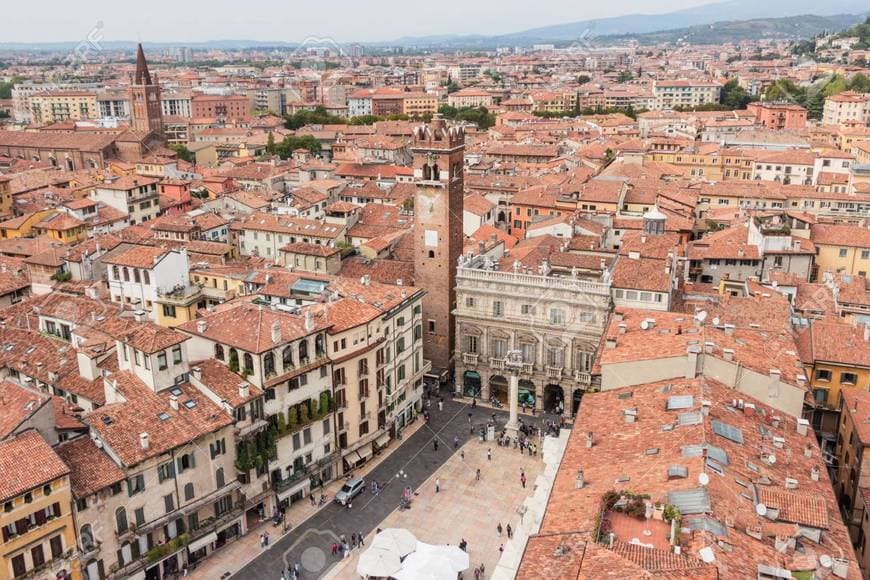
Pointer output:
x,y
500,550
437,485
499,528
282,576
469,418
262,540
474,402
477,574
346,552
463,545
523,480
462,454
267,538
456,441
349,505
489,454
297,569
522,471
478,475
510,532
440,404
334,548
435,444
482,569
353,540
360,538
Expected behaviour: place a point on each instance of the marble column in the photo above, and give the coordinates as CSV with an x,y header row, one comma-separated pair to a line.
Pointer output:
x,y
513,424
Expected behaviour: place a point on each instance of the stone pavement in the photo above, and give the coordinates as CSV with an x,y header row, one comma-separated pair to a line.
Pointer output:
x,y
236,555
464,508
415,458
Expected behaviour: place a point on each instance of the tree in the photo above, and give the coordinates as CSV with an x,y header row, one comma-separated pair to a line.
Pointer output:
x,y
860,83
291,143
183,153
583,79
785,90
624,76
318,116
270,144
734,96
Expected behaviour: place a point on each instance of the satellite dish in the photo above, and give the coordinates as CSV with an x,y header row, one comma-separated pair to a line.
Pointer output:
x,y
701,316
771,458
703,479
716,321
761,509
644,324
826,561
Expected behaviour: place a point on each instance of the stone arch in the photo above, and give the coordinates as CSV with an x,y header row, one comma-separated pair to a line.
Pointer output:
x,y
553,395
498,388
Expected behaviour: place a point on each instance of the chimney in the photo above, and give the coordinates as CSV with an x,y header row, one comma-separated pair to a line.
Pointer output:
x,y
814,473
692,361
728,353
610,343
197,373
709,346
143,440
808,450
276,332
580,481
589,439
173,402
802,426
244,390
139,315
201,325
622,327
705,406
729,329
309,321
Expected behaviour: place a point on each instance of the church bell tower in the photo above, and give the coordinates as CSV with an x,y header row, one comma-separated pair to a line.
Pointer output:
x,y
146,110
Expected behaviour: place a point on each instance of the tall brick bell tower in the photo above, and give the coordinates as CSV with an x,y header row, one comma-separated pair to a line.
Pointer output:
x,y
438,174
146,111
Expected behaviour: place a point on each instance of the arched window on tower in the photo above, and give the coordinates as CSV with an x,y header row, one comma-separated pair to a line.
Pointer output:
x,y
427,172
436,173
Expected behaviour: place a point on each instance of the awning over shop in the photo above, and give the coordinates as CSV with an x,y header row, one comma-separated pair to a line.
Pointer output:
x,y
365,451
303,483
202,542
383,439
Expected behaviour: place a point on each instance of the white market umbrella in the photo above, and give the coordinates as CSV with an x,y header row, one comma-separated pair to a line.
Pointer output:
x,y
378,562
397,540
457,558
426,567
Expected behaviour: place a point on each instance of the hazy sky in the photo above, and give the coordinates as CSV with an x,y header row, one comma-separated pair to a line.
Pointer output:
x,y
344,20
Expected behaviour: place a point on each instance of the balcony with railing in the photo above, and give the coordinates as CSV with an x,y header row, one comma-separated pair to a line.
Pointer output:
x,y
470,358
497,363
554,372
582,377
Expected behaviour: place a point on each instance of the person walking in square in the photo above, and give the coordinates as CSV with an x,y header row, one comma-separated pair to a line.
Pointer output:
x,y
437,485
510,532
360,539
489,454
499,528
435,444
523,480
477,475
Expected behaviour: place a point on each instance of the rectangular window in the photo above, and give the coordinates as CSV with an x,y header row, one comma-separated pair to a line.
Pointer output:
x,y
848,378
169,503
176,354
169,310
823,375
135,484
161,361
497,309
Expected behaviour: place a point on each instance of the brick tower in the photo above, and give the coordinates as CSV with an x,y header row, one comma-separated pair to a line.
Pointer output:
x,y
438,173
146,111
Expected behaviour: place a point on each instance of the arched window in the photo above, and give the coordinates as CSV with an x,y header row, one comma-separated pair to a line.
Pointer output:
x,y
219,352
436,173
116,273
427,172
188,492
121,520
319,347
126,274
287,358
249,363
87,535
219,477
234,360
70,166
269,364
303,352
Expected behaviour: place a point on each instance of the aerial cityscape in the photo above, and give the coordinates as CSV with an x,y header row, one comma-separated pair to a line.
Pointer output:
x,y
456,291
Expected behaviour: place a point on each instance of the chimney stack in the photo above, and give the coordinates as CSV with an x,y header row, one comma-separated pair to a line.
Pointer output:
x,y
201,325
197,373
589,439
276,332
244,390
143,440
173,402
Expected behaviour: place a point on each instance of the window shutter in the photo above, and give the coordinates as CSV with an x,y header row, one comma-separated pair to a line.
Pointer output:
x,y
180,465
192,460
41,517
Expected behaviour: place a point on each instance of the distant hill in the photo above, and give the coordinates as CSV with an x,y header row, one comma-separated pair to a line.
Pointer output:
x,y
787,28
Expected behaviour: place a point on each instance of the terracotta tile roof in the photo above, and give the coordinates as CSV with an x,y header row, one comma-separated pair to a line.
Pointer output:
x,y
119,425
730,243
18,403
840,343
27,462
91,469
641,274
383,271
841,235
249,327
224,383
722,442
135,256
477,204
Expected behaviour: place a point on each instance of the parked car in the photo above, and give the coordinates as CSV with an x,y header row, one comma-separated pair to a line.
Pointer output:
x,y
351,488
